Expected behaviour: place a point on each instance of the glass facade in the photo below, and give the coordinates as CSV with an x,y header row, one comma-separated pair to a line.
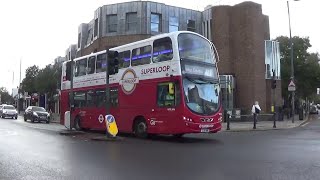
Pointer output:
x,y
272,59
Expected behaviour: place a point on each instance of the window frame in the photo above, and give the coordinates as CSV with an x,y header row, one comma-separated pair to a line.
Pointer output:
x,y
110,23
129,22
176,99
76,74
189,27
136,60
159,27
158,41
173,25
103,69
94,63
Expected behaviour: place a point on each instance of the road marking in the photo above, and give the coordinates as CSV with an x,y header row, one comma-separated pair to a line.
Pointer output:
x,y
6,132
305,124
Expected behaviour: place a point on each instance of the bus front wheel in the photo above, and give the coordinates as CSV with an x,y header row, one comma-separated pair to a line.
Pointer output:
x,y
140,128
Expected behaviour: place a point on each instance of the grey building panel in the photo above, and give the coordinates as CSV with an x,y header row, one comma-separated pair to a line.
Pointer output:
x,y
153,7
159,8
114,9
171,11
109,9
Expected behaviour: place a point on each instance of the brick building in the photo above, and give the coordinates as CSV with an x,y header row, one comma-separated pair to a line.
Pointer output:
x,y
239,33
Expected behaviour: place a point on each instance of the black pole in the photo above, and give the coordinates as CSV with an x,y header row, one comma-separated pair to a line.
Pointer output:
x,y
254,120
71,94
107,92
228,121
274,100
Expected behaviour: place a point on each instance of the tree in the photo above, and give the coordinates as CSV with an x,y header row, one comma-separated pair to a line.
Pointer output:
x,y
306,67
48,79
5,96
29,82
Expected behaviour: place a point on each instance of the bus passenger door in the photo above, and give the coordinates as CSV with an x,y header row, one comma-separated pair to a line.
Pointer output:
x,y
165,113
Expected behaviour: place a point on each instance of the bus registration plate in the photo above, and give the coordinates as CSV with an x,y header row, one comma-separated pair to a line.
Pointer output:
x,y
205,130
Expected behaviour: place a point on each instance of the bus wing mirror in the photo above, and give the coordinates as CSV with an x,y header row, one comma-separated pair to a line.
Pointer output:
x,y
171,88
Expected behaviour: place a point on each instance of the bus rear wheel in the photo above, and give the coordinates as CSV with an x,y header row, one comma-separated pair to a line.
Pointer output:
x,y
140,128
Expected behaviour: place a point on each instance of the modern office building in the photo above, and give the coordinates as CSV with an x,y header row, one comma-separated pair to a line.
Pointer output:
x,y
239,32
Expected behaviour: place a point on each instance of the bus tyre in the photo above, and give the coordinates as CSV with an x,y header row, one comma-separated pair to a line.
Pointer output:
x,y
140,128
77,123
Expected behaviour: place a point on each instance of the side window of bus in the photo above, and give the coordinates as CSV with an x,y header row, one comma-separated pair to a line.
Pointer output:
x,y
91,98
100,97
166,94
114,98
101,63
81,67
79,99
124,59
91,65
162,50
141,56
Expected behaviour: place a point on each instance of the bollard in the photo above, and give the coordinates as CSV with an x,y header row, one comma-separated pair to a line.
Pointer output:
x,y
254,120
228,121
274,120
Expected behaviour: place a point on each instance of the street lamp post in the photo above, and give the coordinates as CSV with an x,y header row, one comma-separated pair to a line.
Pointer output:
x,y
291,54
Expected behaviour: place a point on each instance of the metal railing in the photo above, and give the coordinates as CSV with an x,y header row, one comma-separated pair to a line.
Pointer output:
x,y
228,117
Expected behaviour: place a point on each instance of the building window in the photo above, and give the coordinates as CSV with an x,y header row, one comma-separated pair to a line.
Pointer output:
x,y
191,25
112,23
101,63
90,36
79,40
162,50
96,27
155,22
141,56
173,24
124,59
131,21
81,66
91,65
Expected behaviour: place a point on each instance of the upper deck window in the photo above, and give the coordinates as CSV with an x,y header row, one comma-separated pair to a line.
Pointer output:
x,y
81,67
194,47
162,50
141,56
124,59
101,63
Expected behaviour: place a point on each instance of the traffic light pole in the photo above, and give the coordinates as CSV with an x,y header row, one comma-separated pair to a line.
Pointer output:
x,y
274,100
71,100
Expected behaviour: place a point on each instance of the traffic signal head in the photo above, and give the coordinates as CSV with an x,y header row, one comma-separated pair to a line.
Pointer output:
x,y
113,62
68,71
274,84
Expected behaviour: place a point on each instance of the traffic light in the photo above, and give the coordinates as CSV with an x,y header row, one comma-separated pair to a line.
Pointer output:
x,y
68,71
113,62
274,84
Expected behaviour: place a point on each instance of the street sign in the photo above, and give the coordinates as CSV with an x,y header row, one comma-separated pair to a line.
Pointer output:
x,y
111,124
291,86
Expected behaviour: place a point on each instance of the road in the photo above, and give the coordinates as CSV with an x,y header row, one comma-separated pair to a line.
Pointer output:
x,y
37,151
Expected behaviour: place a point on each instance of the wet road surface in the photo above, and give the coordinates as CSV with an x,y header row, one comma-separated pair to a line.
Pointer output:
x,y
37,151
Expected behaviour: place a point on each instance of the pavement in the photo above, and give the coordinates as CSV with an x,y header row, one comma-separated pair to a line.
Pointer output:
x,y
265,125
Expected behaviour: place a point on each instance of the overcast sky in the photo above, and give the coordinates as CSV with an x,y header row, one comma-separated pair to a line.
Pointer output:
x,y
37,31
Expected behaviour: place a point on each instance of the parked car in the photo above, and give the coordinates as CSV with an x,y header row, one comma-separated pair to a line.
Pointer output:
x,y
36,113
314,109
8,111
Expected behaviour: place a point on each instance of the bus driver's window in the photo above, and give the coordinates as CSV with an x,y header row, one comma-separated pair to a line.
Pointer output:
x,y
166,94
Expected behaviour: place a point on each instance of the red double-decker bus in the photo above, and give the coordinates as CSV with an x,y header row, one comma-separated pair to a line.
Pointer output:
x,y
167,84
